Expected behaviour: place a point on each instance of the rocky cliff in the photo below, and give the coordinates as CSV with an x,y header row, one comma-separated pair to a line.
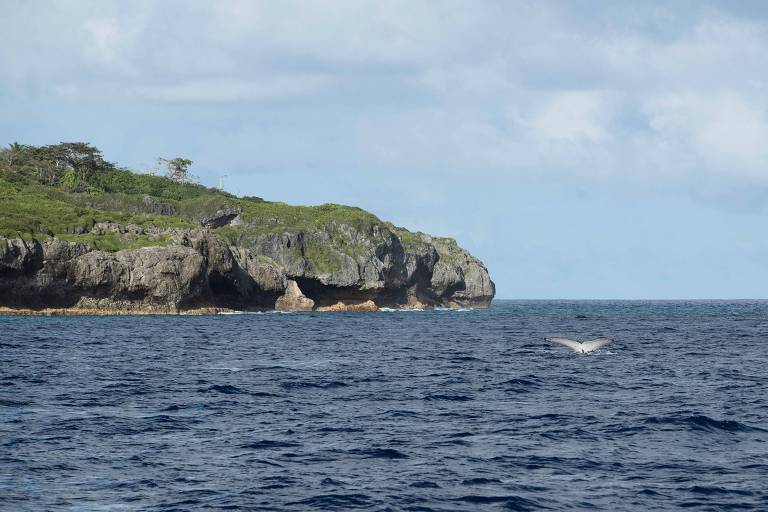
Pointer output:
x,y
338,268
78,233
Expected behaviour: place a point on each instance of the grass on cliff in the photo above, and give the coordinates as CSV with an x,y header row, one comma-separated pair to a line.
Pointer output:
x,y
43,195
275,217
36,211
113,242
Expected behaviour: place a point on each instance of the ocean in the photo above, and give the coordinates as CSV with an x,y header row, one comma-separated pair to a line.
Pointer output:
x,y
395,410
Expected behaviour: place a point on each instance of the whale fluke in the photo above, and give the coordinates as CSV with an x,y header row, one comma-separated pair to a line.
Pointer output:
x,y
582,347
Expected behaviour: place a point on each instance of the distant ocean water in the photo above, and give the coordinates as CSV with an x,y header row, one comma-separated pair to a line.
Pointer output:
x,y
430,410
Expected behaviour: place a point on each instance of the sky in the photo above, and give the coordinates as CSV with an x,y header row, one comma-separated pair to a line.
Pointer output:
x,y
581,149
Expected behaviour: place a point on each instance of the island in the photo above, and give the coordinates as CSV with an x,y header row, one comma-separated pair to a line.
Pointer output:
x,y
81,235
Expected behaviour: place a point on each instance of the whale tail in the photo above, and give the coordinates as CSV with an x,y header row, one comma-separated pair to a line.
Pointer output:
x,y
583,347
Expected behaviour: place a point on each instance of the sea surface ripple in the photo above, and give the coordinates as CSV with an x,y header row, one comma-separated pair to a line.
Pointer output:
x,y
430,410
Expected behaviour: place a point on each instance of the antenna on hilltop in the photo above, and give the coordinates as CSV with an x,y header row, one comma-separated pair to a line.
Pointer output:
x,y
221,181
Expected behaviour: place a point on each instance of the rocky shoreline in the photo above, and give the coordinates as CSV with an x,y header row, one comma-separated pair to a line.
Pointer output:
x,y
197,271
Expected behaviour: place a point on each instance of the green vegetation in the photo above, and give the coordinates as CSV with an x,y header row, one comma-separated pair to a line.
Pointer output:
x,y
448,250
34,210
412,242
63,190
113,242
269,217
323,259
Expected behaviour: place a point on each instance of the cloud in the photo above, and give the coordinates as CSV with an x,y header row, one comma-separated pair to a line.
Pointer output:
x,y
580,148
573,117
723,132
510,88
104,34
226,91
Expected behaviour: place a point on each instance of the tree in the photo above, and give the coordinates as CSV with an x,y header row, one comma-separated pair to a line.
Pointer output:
x,y
69,179
178,169
80,157
16,153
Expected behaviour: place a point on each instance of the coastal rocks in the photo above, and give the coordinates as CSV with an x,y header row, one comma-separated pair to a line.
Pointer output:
x,y
340,257
153,206
286,249
293,299
168,276
101,228
266,274
365,306
478,289
57,254
198,271
332,267
235,277
459,278
18,256
222,218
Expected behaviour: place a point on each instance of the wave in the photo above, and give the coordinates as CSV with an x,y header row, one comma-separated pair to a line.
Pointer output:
x,y
383,310
713,490
335,501
467,359
510,502
273,312
13,403
419,310
380,453
703,423
425,484
480,481
340,429
268,444
223,388
313,384
520,385
327,481
450,398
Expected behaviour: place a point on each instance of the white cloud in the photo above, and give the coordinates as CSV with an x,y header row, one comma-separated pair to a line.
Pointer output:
x,y
104,37
224,91
724,132
573,117
511,87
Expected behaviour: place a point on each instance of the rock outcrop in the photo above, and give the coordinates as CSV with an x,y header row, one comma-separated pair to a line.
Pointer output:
x,y
293,299
338,268
366,306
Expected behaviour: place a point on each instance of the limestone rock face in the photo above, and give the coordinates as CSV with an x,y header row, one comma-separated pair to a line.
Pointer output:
x,y
167,276
336,267
460,278
199,270
293,299
367,306
349,262
266,274
221,218
18,257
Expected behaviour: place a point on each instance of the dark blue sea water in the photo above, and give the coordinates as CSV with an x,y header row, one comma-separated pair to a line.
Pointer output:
x,y
433,410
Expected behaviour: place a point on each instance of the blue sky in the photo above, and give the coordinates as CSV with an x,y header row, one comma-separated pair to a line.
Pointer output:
x,y
580,149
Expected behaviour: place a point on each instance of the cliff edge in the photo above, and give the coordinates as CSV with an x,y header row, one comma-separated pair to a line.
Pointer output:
x,y
116,241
